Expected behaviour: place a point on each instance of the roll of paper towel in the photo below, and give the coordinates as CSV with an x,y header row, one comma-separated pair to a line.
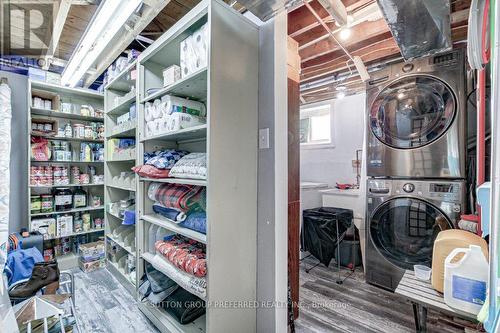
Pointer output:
x,y
188,57
178,121
156,112
200,43
156,126
149,128
178,104
148,112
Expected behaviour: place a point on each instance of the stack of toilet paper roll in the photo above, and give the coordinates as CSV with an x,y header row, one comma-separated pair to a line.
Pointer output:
x,y
172,114
194,51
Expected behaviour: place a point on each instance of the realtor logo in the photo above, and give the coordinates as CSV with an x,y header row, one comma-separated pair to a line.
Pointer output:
x,y
26,28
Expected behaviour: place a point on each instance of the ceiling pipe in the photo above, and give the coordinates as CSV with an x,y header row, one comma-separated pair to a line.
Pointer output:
x,y
356,60
336,78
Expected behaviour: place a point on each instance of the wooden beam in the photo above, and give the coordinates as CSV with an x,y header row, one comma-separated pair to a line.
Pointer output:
x,y
62,14
359,33
375,51
321,60
300,19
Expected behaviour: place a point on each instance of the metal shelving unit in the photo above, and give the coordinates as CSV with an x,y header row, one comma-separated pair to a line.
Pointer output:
x,y
75,96
230,140
118,99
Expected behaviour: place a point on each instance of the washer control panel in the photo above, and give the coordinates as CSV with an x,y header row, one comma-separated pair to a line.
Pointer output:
x,y
449,191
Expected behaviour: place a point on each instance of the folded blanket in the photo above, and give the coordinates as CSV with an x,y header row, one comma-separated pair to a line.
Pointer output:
x,y
196,221
192,166
184,306
150,171
173,214
164,159
179,196
186,254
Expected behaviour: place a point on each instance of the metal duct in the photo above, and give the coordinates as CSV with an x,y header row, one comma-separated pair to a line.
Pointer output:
x,y
265,9
420,27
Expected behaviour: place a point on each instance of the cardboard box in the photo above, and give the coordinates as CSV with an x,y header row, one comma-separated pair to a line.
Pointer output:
x,y
171,75
43,226
92,251
92,265
64,225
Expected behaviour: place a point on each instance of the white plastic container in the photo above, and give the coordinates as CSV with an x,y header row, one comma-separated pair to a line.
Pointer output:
x,y
466,279
422,272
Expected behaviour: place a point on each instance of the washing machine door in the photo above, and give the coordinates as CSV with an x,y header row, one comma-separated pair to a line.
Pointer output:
x,y
404,229
412,112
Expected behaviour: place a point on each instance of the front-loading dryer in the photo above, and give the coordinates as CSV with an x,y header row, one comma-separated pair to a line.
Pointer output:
x,y
417,119
403,220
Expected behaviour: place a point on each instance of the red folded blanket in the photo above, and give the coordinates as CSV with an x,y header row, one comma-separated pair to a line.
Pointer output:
x,y
184,253
150,171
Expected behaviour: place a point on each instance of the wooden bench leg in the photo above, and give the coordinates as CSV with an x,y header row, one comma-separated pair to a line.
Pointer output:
x,y
420,315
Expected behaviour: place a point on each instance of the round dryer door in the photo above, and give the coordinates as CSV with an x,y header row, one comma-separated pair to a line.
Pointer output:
x,y
412,112
404,229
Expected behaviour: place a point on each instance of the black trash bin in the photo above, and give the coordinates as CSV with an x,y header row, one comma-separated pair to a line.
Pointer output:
x,y
319,231
350,252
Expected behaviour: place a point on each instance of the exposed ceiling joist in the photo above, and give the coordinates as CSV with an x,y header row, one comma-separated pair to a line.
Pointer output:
x,y
369,13
62,14
361,31
372,52
300,21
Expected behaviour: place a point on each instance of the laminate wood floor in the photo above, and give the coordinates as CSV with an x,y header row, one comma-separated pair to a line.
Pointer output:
x,y
104,305
357,307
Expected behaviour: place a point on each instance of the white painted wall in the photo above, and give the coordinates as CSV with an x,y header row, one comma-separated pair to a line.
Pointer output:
x,y
334,164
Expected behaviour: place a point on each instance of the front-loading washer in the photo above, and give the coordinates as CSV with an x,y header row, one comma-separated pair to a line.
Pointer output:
x,y
417,119
404,217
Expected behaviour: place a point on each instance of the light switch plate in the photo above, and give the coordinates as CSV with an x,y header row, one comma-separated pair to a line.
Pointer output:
x,y
264,138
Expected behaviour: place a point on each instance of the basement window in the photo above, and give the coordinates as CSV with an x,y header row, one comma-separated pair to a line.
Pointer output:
x,y
316,126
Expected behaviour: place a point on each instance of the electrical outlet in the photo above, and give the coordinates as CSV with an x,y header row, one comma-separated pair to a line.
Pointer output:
x,y
264,138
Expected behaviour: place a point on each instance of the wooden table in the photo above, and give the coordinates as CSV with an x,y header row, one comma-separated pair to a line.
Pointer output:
x,y
422,296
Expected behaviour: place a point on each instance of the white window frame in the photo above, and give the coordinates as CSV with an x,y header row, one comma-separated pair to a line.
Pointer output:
x,y
311,109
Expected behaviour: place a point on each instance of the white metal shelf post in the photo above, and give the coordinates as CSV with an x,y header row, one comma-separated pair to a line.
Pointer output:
x,y
119,95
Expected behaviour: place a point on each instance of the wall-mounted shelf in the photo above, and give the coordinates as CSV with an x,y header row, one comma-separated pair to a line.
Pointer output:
x,y
69,185
172,226
77,234
175,181
63,115
122,107
75,97
68,162
192,86
191,133
74,210
63,138
122,81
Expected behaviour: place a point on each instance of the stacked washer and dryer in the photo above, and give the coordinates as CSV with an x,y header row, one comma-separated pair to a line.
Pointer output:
x,y
416,158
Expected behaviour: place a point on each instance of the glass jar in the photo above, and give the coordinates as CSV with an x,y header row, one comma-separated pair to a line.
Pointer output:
x,y
47,205
79,198
36,204
63,199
